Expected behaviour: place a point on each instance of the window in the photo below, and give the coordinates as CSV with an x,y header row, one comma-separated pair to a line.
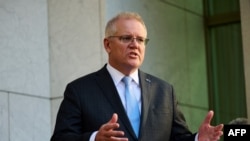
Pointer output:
x,y
225,60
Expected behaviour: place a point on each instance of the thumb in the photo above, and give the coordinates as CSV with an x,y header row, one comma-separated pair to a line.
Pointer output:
x,y
209,117
114,118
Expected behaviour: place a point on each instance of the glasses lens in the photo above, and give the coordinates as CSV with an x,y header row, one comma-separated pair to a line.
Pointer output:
x,y
129,39
126,39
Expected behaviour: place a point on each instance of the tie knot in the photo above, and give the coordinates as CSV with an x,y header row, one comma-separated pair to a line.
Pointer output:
x,y
127,80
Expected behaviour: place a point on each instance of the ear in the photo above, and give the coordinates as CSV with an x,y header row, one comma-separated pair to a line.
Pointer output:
x,y
106,45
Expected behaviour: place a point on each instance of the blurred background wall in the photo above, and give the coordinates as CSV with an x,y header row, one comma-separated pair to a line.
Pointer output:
x,y
44,44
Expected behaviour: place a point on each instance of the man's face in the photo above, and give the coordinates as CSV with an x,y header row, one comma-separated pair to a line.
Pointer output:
x,y
126,48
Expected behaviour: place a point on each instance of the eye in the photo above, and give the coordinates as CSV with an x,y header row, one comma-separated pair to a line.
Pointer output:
x,y
140,40
126,38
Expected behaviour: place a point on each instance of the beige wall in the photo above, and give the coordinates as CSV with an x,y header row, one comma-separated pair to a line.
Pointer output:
x,y
46,44
75,43
245,22
24,71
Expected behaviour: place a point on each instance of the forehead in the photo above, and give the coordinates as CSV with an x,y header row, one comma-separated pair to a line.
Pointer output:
x,y
130,26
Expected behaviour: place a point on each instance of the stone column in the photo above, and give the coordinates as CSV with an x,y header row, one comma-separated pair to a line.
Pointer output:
x,y
24,71
75,43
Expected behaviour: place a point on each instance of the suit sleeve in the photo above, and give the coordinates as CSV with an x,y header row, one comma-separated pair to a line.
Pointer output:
x,y
68,123
180,130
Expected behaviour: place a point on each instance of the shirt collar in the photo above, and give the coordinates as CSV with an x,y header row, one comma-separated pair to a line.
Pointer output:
x,y
117,75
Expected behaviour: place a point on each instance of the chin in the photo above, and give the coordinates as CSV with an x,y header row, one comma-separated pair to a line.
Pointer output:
x,y
135,65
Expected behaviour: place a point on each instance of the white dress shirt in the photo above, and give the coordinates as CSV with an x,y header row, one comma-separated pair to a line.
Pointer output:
x,y
120,86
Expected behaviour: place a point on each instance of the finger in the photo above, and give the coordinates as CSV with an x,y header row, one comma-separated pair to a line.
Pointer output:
x,y
112,123
119,139
114,133
217,135
218,127
106,131
209,117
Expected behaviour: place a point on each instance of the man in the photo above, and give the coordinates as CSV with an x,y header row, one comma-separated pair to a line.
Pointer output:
x,y
239,121
94,107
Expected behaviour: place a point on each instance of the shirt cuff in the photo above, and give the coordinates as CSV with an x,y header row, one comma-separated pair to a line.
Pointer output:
x,y
196,137
93,135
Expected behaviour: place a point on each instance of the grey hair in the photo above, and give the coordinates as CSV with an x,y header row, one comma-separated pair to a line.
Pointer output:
x,y
110,28
239,121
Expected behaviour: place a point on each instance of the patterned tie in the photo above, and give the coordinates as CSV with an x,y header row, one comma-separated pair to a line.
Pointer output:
x,y
132,106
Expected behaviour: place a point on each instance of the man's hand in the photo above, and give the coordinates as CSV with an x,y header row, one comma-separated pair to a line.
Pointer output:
x,y
207,132
107,132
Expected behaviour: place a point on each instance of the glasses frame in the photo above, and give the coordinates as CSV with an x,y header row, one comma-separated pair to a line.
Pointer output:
x,y
124,39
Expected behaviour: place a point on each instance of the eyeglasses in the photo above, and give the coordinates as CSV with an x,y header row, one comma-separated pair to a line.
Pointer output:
x,y
130,38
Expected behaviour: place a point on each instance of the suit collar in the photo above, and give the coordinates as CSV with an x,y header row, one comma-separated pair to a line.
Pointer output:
x,y
117,75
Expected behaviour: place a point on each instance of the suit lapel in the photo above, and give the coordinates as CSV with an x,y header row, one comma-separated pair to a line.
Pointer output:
x,y
109,90
145,82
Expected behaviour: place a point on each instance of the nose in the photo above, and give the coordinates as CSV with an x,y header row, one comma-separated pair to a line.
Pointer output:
x,y
133,39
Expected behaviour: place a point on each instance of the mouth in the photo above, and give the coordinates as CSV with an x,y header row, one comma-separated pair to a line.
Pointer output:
x,y
133,54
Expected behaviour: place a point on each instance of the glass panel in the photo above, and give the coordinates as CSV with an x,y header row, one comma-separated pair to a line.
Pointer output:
x,y
222,6
225,60
227,72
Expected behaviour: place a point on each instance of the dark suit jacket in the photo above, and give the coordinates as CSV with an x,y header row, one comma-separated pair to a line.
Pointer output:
x,y
91,100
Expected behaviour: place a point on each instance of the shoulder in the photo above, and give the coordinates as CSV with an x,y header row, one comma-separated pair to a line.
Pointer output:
x,y
90,78
153,78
